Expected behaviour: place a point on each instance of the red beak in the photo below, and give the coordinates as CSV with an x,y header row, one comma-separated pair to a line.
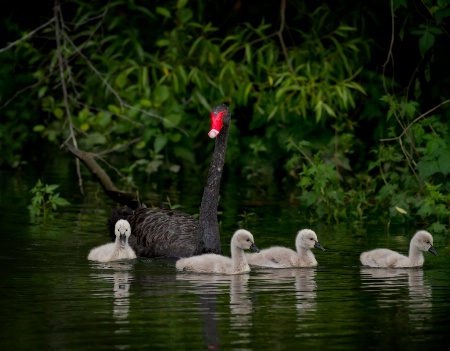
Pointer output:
x,y
216,123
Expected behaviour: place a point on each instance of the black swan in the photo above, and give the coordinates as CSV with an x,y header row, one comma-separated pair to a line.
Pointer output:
x,y
119,250
158,232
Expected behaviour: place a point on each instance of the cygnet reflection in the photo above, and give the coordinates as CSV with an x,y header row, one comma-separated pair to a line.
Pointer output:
x,y
301,281
209,289
390,283
121,277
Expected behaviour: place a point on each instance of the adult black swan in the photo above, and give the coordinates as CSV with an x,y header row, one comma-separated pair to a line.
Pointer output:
x,y
158,232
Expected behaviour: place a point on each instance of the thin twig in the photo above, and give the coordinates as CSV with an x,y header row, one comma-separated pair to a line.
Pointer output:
x,y
20,92
117,148
26,36
128,119
96,71
280,35
122,103
58,20
416,120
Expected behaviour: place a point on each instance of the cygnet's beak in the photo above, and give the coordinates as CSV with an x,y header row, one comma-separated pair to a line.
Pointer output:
x,y
254,247
432,250
318,246
123,239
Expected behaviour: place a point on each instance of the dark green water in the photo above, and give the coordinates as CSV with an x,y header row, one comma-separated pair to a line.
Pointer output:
x,y
52,298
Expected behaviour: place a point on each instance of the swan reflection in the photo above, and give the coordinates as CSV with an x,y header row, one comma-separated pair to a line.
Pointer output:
x,y
121,277
303,287
209,288
389,283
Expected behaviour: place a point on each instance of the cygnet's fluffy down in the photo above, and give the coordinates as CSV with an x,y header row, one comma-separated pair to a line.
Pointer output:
x,y
119,250
385,258
212,263
282,257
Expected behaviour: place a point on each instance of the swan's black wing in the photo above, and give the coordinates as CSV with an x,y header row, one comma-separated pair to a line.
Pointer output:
x,y
163,233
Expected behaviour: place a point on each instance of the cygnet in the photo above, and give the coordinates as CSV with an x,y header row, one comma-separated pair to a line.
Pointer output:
x,y
119,250
282,257
385,258
213,263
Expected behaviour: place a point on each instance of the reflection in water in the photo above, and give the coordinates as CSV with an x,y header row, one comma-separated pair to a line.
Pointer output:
x,y
304,287
121,277
209,287
389,283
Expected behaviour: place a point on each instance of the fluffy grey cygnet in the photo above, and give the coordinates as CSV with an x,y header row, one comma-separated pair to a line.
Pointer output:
x,y
213,263
385,258
282,257
119,250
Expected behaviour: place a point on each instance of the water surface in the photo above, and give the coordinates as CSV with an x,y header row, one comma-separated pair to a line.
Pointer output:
x,y
53,298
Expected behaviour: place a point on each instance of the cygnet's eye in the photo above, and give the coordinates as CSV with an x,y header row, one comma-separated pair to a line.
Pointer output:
x,y
311,239
248,239
428,241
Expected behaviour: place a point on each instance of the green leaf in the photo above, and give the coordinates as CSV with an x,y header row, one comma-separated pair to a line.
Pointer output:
x,y
51,188
181,3
185,15
61,201
161,94
96,138
426,42
163,12
427,168
141,144
444,162
175,137
162,42
114,109
160,142
58,112
42,91
184,153
172,120
39,128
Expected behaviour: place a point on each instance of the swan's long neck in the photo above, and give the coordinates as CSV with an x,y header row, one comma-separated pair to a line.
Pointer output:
x,y
415,255
305,254
117,248
209,227
239,260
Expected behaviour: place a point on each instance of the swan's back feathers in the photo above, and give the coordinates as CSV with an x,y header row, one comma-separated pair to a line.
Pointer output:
x,y
383,258
160,232
207,263
273,257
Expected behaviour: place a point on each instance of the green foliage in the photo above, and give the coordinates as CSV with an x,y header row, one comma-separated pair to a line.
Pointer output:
x,y
45,200
247,217
309,97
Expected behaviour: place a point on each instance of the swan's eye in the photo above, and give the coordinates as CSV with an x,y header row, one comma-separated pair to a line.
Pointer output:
x,y
428,241
248,239
311,239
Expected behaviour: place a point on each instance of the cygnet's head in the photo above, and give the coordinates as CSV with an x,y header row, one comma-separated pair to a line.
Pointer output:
x,y
307,238
244,239
122,230
424,241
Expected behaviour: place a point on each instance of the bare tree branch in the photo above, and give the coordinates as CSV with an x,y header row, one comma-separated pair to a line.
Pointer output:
x,y
26,36
61,64
416,120
123,197
280,35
